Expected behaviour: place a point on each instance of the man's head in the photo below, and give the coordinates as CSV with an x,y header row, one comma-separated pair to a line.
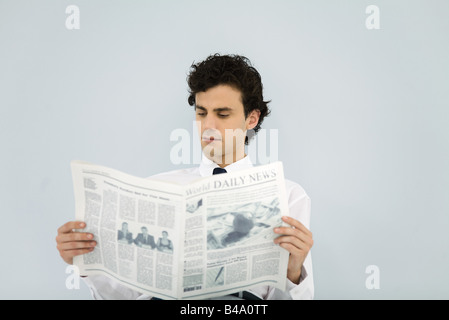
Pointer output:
x,y
227,94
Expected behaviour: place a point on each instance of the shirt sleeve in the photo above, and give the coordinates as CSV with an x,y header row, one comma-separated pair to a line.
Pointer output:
x,y
305,289
300,209
104,288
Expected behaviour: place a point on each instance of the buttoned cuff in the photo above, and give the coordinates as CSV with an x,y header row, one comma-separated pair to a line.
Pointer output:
x,y
303,290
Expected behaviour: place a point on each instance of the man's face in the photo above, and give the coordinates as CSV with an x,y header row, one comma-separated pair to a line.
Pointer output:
x,y
222,124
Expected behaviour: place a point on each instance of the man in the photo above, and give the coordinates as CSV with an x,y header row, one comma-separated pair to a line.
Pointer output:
x,y
226,92
124,235
145,238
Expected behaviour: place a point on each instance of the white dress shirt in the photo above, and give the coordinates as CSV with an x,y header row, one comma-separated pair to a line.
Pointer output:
x,y
103,287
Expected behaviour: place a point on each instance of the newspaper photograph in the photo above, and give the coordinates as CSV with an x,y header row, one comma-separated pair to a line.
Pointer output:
x,y
206,239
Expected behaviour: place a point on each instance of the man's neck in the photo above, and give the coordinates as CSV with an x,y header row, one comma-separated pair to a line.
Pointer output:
x,y
223,163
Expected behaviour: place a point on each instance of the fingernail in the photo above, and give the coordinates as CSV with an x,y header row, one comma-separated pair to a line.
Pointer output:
x,y
90,236
276,229
82,225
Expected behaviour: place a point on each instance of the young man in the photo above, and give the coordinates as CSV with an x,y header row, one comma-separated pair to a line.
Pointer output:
x,y
226,92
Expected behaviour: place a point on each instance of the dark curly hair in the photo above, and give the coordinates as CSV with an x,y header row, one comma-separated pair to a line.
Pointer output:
x,y
235,71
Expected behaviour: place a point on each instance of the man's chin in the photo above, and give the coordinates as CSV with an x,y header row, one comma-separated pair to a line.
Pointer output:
x,y
213,155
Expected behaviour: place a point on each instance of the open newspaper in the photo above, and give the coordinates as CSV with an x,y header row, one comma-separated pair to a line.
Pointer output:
x,y
205,239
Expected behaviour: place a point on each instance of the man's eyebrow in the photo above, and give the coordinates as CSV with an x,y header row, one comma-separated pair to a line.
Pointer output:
x,y
221,109
200,107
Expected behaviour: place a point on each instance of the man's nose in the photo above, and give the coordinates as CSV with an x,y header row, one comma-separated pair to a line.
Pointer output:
x,y
209,122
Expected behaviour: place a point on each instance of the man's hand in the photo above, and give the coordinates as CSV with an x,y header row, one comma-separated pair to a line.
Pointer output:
x,y
297,240
70,243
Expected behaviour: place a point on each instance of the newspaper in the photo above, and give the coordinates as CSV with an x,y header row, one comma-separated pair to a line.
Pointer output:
x,y
205,239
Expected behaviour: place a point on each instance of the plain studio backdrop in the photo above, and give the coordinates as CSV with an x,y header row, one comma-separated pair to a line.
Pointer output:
x,y
362,116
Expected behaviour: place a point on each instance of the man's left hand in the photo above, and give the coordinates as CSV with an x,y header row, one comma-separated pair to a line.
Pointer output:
x,y
297,240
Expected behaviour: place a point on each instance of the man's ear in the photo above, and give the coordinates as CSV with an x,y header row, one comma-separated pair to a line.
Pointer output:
x,y
253,119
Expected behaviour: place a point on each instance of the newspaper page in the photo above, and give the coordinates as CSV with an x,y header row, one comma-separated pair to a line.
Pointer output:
x,y
202,240
136,223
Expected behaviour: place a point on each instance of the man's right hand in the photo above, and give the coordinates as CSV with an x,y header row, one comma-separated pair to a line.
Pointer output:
x,y
71,243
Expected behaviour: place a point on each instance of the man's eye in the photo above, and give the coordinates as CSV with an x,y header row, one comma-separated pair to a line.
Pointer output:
x,y
223,115
200,114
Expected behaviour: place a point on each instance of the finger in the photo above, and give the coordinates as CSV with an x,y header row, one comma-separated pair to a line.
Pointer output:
x,y
300,236
295,223
69,226
298,243
76,245
286,232
69,254
304,243
74,236
291,232
293,250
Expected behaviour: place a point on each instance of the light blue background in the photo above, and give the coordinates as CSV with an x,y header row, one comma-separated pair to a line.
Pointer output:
x,y
363,120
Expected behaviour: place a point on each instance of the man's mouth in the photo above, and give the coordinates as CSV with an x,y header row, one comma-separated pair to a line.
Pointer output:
x,y
210,139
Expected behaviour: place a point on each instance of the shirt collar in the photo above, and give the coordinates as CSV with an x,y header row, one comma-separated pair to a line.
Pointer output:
x,y
207,166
